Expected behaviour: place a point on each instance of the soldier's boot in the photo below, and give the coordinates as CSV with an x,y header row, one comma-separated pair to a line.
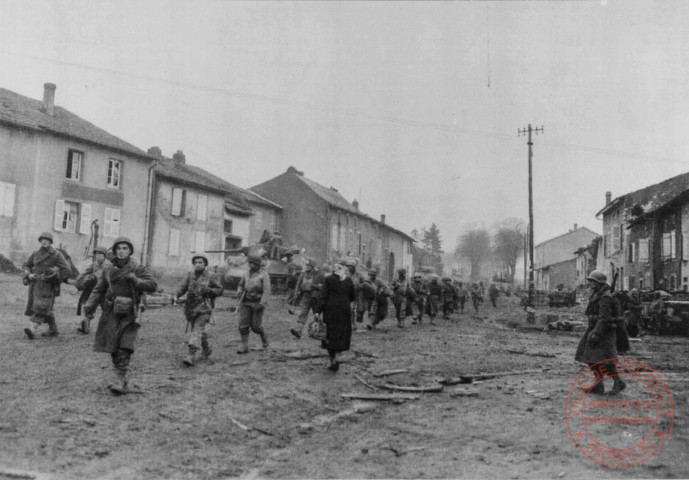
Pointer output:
x,y
264,340
85,326
52,328
244,348
190,359
121,385
618,384
598,388
31,331
206,349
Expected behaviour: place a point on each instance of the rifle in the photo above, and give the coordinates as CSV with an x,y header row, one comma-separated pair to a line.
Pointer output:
x,y
615,274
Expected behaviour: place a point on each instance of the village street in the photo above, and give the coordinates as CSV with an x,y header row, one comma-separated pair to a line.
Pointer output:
x,y
281,414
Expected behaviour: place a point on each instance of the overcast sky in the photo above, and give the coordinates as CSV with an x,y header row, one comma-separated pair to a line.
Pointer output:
x,y
411,107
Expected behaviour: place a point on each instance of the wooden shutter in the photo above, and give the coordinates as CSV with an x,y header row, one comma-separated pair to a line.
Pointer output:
x,y
85,220
59,214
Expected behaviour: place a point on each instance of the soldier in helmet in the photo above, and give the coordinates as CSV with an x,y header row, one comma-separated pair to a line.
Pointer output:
x,y
253,291
401,291
119,290
605,336
86,282
421,292
308,290
44,270
435,297
201,287
448,297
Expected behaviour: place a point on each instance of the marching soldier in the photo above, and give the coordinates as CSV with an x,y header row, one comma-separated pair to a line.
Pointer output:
x,y
476,296
462,295
493,294
448,297
201,287
44,270
401,291
119,290
253,291
421,292
358,304
308,290
435,295
87,281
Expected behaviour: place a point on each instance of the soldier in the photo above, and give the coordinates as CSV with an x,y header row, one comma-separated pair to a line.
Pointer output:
x,y
400,294
253,291
420,294
435,295
308,290
201,287
357,306
462,295
293,273
379,303
476,296
493,294
44,270
86,282
448,297
605,336
119,290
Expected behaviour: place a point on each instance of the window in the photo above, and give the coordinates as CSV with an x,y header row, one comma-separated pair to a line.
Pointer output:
x,y
228,226
685,247
114,173
173,246
66,216
616,245
74,161
178,195
668,249
112,222
630,252
7,199
199,240
643,250
202,208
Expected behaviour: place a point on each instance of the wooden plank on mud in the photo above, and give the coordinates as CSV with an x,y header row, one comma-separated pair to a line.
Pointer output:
x,y
487,376
387,373
403,388
379,396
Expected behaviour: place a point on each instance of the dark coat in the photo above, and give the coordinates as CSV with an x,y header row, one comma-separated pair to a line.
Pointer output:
x,y
201,291
87,281
336,298
115,332
51,268
606,335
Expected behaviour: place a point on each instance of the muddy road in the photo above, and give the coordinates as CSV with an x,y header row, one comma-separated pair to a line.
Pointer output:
x,y
279,413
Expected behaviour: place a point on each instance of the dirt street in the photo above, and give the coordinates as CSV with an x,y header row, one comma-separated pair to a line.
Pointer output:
x,y
271,414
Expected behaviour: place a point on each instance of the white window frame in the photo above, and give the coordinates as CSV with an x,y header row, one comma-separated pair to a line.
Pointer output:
x,y
177,204
75,162
202,207
666,245
616,239
114,178
7,199
173,244
111,224
66,216
85,219
644,253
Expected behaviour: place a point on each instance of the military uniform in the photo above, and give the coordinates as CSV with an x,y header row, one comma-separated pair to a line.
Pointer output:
x,y
493,294
44,270
401,290
87,281
119,290
435,295
201,288
476,296
420,294
253,290
462,295
448,297
308,290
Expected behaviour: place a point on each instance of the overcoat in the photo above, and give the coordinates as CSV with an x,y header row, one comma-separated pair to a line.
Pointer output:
x,y
118,331
606,335
51,268
201,290
337,296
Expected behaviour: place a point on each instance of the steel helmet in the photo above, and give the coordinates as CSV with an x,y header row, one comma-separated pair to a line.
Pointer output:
x,y
597,276
202,256
47,236
255,259
100,249
123,240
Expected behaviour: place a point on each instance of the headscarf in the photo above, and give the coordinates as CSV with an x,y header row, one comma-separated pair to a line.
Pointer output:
x,y
340,271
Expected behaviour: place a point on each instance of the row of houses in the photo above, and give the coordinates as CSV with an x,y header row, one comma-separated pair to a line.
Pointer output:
x,y
59,172
645,240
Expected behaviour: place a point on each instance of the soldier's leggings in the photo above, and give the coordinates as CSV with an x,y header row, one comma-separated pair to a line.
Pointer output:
x,y
199,337
121,359
250,319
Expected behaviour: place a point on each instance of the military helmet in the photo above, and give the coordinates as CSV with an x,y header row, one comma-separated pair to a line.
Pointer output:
x,y
401,270
417,275
597,276
100,249
447,279
123,240
47,236
202,256
350,262
311,263
255,259
373,271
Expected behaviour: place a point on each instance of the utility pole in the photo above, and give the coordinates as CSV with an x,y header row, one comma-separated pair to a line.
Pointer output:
x,y
521,132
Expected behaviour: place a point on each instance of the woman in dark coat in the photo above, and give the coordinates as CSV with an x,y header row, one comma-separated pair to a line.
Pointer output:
x,y
337,296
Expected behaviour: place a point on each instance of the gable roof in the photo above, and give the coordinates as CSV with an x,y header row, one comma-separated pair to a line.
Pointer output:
x,y
561,248
27,113
653,197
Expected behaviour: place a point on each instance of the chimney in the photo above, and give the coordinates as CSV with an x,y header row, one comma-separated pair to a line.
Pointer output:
x,y
49,98
291,169
179,157
608,197
355,202
155,151
333,189
382,218
575,227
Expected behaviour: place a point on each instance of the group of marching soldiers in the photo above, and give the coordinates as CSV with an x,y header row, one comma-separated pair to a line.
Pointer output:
x,y
423,295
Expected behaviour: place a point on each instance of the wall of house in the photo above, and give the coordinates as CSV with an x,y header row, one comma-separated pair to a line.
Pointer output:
x,y
241,227
668,251
173,238
38,164
638,266
305,216
564,273
264,218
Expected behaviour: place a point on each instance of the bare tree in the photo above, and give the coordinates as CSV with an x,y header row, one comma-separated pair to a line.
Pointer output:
x,y
508,244
474,245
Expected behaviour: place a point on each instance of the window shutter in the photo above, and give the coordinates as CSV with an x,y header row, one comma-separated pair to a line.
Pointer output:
x,y
59,214
85,223
112,222
202,207
673,244
685,247
116,223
